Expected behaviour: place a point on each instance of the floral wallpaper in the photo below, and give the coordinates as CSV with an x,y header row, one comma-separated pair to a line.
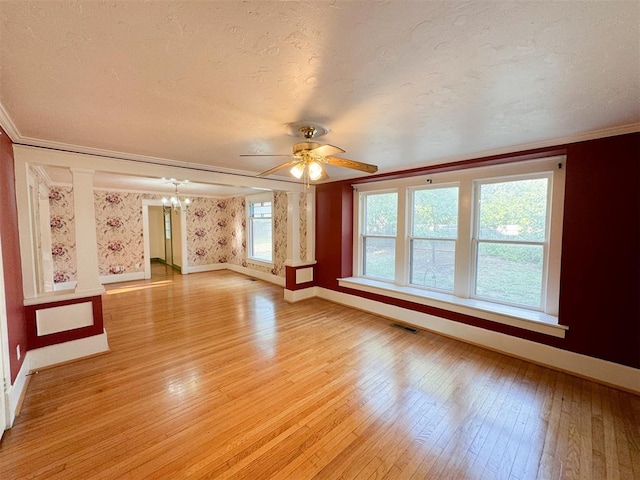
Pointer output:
x,y
63,234
119,231
237,254
279,232
207,231
303,226
216,232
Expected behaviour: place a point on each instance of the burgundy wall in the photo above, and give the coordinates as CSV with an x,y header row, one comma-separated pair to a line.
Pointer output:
x,y
11,257
334,233
600,276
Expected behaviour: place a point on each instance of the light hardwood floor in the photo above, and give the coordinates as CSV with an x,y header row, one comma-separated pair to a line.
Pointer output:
x,y
215,376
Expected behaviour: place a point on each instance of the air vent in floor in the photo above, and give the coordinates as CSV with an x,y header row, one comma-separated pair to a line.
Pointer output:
x,y
404,327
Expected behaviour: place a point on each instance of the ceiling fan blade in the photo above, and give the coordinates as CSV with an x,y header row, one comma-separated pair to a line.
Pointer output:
x,y
327,150
343,162
279,167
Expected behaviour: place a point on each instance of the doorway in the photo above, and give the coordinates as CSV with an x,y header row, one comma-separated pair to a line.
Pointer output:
x,y
164,231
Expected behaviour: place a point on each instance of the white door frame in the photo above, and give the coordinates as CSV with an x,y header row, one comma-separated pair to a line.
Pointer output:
x,y
146,203
5,371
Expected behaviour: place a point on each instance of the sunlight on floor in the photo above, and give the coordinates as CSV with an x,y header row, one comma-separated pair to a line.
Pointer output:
x,y
133,288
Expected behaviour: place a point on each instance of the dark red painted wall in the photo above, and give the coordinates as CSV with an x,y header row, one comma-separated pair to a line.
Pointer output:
x,y
11,256
334,234
600,277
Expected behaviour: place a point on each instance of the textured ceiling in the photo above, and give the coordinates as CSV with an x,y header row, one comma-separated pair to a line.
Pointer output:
x,y
399,83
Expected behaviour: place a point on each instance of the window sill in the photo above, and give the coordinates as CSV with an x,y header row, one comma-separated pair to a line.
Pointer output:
x,y
504,314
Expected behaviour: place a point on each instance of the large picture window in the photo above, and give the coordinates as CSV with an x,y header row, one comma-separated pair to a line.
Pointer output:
x,y
260,228
476,237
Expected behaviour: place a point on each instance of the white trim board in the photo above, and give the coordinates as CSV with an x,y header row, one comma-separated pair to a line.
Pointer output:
x,y
207,268
65,352
602,371
121,277
267,277
16,391
293,296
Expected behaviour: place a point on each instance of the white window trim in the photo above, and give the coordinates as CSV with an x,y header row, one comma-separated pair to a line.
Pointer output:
x,y
258,198
540,321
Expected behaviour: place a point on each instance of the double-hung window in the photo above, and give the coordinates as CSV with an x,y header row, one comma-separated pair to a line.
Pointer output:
x,y
511,240
380,211
260,228
433,236
487,238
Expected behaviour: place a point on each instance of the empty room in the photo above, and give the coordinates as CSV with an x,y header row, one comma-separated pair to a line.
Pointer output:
x,y
320,240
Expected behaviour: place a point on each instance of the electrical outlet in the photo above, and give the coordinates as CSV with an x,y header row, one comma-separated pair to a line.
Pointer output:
x,y
18,352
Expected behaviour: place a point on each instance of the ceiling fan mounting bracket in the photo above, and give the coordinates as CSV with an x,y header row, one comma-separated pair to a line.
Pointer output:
x,y
307,130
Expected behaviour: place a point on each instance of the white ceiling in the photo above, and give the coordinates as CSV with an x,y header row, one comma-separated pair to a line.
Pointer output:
x,y
399,83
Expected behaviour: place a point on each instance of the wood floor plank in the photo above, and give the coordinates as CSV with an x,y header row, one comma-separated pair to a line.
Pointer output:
x,y
213,375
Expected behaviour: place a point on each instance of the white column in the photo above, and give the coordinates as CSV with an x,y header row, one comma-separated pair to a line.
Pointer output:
x,y
293,228
86,238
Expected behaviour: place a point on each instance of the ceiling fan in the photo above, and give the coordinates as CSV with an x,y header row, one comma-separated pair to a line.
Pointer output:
x,y
309,156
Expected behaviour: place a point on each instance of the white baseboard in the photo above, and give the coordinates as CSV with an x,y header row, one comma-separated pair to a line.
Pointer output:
x,y
267,277
603,371
207,268
121,277
67,351
293,296
16,391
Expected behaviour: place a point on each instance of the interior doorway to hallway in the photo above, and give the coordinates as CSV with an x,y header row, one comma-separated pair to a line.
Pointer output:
x,y
165,238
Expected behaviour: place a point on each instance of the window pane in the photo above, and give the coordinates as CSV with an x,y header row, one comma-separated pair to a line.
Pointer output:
x,y
513,210
381,212
510,273
435,213
432,263
262,209
379,257
261,239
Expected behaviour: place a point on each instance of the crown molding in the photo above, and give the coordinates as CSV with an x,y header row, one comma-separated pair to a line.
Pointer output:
x,y
554,142
98,152
8,126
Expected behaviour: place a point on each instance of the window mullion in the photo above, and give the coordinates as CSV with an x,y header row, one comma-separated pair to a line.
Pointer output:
x,y
555,213
463,271
402,259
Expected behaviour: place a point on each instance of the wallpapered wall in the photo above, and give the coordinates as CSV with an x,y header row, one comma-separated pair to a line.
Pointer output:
x,y
63,234
216,232
119,231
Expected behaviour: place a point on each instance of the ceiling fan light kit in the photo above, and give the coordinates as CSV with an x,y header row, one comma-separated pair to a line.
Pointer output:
x,y
310,156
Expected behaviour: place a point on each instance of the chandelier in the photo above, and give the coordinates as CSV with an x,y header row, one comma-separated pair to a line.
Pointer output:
x,y
175,201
